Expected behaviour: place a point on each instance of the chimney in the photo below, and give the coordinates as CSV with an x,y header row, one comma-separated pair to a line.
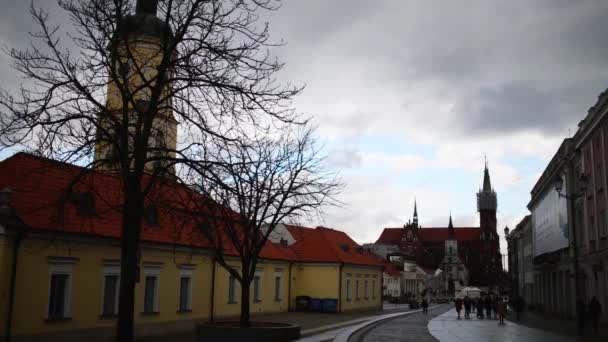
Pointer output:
x,y
146,7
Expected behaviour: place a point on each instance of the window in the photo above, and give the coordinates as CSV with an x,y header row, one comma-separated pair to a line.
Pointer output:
x,y
185,290
348,289
257,295
603,231
373,288
357,289
277,286
111,286
60,286
151,296
231,290
365,289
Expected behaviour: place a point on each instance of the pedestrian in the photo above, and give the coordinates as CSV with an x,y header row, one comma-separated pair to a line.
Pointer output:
x,y
580,316
595,311
502,311
425,306
495,301
458,305
480,308
487,303
467,307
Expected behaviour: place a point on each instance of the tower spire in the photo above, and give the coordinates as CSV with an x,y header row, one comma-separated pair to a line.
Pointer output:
x,y
415,219
487,186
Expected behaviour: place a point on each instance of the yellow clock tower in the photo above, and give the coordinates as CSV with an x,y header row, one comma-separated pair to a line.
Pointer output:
x,y
137,47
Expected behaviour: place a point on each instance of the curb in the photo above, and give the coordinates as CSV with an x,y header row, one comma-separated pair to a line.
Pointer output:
x,y
344,336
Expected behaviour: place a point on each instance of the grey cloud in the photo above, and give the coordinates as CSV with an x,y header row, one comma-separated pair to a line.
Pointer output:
x,y
345,158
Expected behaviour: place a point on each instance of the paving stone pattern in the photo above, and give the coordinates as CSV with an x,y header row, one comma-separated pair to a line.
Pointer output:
x,y
447,328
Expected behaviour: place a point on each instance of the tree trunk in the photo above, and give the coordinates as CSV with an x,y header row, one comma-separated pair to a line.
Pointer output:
x,y
245,285
131,228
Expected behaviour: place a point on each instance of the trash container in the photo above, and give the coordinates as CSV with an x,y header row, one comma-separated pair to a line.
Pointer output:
x,y
302,303
315,305
329,305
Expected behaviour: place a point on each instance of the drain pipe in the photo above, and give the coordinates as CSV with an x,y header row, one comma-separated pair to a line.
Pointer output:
x,y
289,288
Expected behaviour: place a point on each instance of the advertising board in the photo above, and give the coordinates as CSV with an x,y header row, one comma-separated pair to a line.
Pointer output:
x,y
550,223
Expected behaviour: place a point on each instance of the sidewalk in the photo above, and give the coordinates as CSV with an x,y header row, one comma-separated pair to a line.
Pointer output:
x,y
546,322
447,327
312,323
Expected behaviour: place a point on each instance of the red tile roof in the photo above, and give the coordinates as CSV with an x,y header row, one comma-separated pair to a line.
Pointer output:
x,y
41,200
438,234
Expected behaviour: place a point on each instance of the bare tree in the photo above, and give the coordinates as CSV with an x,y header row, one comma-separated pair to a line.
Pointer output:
x,y
110,90
254,186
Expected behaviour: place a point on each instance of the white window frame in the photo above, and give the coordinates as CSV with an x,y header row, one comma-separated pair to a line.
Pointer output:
x,y
185,273
365,289
61,268
278,286
232,284
151,271
373,288
110,270
348,294
257,286
357,289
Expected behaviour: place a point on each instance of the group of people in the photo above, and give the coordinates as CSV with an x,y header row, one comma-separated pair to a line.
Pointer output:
x,y
493,306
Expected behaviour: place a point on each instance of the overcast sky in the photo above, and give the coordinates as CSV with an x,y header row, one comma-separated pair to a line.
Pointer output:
x,y
409,96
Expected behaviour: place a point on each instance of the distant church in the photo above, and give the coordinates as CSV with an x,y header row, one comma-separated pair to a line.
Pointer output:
x,y
465,255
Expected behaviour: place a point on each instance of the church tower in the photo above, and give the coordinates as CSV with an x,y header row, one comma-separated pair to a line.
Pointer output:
x,y
490,261
138,46
486,205
415,219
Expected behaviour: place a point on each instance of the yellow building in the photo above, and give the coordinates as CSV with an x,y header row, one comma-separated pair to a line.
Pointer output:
x,y
68,259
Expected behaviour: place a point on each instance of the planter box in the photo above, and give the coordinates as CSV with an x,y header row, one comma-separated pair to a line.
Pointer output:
x,y
258,331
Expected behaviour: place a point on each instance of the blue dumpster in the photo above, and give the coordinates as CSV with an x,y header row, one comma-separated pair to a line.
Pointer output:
x,y
329,305
315,305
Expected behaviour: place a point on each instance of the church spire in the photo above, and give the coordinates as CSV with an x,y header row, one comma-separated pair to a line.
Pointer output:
x,y
415,220
451,227
487,186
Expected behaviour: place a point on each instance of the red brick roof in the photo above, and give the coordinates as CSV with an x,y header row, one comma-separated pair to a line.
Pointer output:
x,y
393,235
41,200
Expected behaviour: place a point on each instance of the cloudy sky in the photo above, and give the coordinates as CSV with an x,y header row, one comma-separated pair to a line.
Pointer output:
x,y
410,95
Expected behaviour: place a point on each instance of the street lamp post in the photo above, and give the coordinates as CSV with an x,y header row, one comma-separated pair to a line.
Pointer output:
x,y
582,190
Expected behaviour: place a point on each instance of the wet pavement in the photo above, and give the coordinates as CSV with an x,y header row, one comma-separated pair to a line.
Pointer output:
x,y
447,328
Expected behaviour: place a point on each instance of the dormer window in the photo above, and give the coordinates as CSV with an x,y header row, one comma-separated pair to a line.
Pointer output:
x,y
151,216
84,203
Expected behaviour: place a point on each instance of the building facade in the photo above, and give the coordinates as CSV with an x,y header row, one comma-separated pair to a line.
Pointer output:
x,y
60,261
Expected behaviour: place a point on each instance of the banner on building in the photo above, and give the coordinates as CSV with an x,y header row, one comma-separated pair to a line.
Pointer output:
x,y
550,223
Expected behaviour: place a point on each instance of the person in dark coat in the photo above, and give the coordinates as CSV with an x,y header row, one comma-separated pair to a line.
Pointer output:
x,y
495,302
480,308
595,311
458,305
487,303
425,306
467,307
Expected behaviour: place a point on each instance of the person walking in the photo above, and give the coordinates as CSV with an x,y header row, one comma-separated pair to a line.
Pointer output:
x,y
502,311
480,308
425,306
487,303
595,311
495,301
467,307
458,305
